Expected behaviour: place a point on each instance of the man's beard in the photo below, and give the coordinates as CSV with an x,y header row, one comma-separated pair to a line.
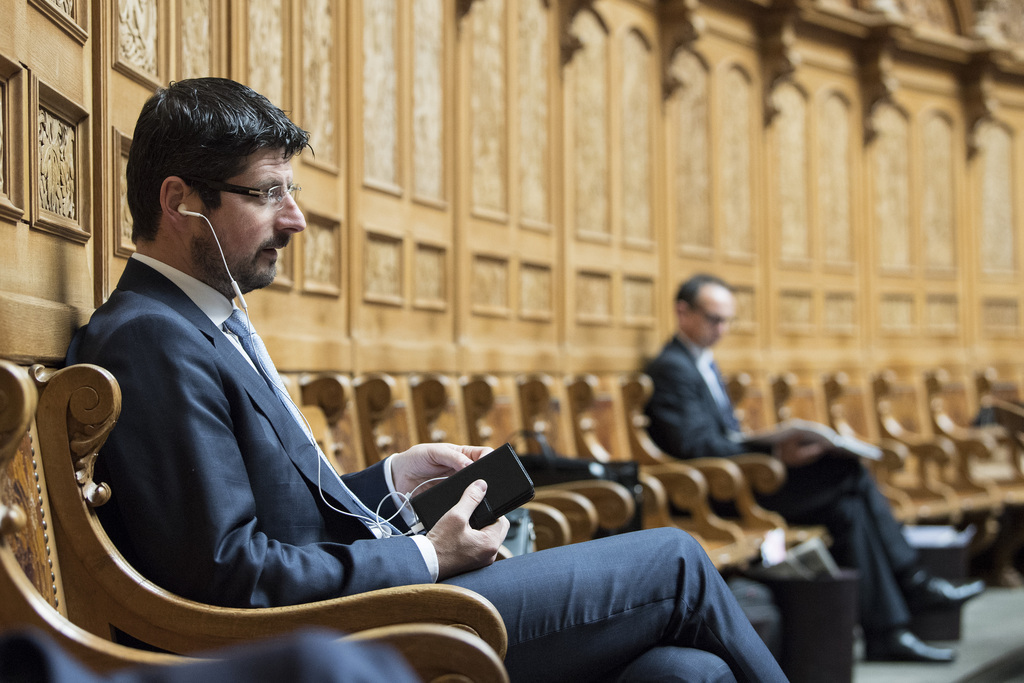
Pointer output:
x,y
249,274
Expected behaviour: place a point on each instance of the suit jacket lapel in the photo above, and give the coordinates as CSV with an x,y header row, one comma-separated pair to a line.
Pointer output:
x,y
142,279
705,390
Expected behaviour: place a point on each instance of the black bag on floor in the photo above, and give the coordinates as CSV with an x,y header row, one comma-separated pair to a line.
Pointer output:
x,y
547,467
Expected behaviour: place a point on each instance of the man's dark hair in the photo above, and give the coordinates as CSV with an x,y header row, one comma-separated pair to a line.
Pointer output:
x,y
689,290
200,128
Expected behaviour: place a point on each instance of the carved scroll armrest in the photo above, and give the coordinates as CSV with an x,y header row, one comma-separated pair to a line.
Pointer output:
x,y
688,490
763,473
736,479
579,512
550,526
656,512
894,455
440,653
615,504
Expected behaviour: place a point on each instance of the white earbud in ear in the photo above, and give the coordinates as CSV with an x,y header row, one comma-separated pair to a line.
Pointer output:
x,y
183,210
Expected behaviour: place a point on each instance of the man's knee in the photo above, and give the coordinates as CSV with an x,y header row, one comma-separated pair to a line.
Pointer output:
x,y
671,664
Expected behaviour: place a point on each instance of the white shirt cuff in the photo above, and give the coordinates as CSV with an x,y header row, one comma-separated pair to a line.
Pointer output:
x,y
423,543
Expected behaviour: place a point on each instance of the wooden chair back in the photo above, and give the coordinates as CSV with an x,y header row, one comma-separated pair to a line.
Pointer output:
x,y
382,420
434,414
539,412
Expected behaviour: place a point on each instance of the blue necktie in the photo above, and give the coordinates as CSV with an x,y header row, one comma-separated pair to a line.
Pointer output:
x,y
239,326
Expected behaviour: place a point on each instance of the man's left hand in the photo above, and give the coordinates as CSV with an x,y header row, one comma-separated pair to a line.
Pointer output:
x,y
427,461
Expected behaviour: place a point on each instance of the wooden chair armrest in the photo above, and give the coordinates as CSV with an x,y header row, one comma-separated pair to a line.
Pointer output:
x,y
763,473
615,504
579,511
894,455
550,526
440,653
688,490
655,502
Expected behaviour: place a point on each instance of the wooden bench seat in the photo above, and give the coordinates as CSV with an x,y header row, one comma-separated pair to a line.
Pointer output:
x,y
83,584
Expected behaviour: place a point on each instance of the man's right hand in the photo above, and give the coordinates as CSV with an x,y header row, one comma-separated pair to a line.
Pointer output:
x,y
461,548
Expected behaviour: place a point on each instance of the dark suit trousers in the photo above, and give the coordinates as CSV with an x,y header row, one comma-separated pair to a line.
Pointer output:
x,y
588,611
839,493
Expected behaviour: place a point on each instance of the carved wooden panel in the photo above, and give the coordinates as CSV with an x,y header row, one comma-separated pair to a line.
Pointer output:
x,y
839,315
285,279
638,300
796,311
380,94
791,173
490,286
746,309
896,313
321,251
60,166
691,178
123,246
1000,317
892,189
734,183
942,314
1008,16
535,293
136,50
936,14
534,114
4,145
195,40
267,27
319,86
998,237
936,200
428,100
590,127
383,269
636,140
834,179
593,298
69,15
430,277
487,105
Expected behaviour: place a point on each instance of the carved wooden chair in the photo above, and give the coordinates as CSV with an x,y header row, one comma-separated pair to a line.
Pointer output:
x,y
101,593
921,478
847,414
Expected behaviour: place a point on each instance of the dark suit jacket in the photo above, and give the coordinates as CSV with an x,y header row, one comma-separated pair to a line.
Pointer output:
x,y
215,485
686,422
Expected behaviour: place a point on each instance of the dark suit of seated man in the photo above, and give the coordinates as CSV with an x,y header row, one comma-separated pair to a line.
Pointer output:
x,y
222,494
691,416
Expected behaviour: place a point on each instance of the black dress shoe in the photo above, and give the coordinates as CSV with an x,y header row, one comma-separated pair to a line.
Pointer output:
x,y
931,592
900,645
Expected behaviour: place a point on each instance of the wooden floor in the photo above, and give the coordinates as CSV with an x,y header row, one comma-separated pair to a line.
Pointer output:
x,y
990,651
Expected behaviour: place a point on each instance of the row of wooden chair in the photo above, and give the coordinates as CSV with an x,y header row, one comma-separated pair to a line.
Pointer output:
x,y
936,467
62,574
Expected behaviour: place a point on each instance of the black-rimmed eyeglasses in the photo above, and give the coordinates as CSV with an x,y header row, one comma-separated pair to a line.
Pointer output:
x,y
273,196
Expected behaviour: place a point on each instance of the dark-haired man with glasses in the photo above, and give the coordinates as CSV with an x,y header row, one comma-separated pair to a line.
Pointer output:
x,y
691,416
223,496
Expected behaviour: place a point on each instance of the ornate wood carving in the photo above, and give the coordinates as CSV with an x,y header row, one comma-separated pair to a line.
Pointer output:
x,y
980,103
319,108
892,188
1000,317
878,82
124,246
593,298
490,285
937,207
267,28
428,100
734,184
488,109
194,41
638,300
3,134
791,173
535,291
998,238
691,179
66,14
636,140
532,74
780,58
380,93
833,179
796,310
321,255
569,41
942,314
590,128
138,37
383,269
681,33
896,313
58,166
839,315
430,277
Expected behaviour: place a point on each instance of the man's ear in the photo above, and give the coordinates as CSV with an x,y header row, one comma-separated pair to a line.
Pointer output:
x,y
173,193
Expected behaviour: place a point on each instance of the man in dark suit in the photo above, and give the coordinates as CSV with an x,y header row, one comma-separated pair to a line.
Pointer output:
x,y
691,416
222,494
